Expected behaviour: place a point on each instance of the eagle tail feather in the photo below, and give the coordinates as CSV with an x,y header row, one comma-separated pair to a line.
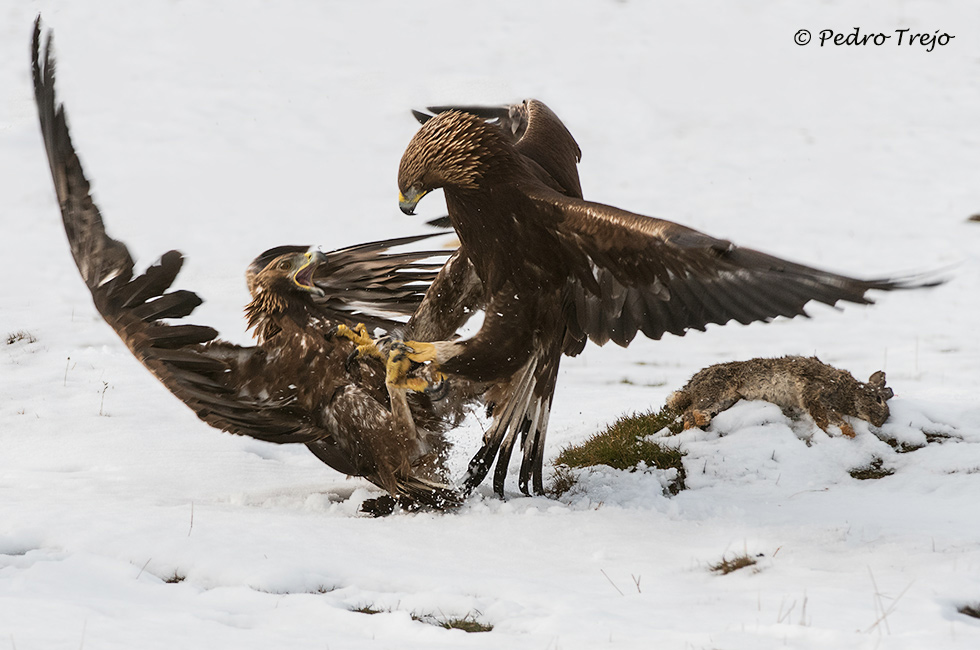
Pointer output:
x,y
505,424
532,465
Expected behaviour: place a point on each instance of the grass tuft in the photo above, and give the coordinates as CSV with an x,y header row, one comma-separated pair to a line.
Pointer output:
x,y
15,337
562,481
319,589
626,381
970,610
873,470
730,565
468,623
175,578
623,445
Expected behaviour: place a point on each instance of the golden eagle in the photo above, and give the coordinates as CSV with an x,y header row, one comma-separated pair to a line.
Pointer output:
x,y
552,270
298,384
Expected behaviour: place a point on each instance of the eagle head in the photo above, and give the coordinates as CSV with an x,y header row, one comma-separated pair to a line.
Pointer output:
x,y
452,150
285,270
275,279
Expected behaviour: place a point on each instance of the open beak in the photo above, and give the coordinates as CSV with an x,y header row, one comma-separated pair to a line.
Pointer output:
x,y
304,276
410,199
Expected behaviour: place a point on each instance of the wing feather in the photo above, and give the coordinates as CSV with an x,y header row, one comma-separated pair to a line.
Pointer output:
x,y
367,284
229,386
176,304
657,276
199,370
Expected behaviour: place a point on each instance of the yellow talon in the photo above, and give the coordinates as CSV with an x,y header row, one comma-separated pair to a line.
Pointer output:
x,y
396,372
359,335
402,355
420,352
416,384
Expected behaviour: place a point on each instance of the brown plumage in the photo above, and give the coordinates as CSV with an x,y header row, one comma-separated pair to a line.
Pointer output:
x,y
554,270
298,383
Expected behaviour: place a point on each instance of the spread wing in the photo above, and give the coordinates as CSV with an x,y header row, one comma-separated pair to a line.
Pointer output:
x,y
537,134
216,379
639,274
655,276
199,370
367,283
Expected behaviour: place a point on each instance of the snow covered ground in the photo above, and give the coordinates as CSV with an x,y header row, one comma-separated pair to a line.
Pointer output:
x,y
224,128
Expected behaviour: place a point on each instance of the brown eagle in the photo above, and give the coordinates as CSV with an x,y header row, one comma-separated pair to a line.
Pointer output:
x,y
299,383
552,270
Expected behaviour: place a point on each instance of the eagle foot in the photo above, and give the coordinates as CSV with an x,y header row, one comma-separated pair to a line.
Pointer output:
x,y
401,357
366,346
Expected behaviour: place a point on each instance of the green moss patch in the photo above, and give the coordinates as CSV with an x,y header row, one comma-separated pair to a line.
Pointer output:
x,y
624,445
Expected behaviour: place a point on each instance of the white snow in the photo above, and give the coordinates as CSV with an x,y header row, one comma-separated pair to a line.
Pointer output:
x,y
224,128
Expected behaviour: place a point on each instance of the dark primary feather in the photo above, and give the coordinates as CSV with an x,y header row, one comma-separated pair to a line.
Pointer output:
x,y
656,276
557,270
275,391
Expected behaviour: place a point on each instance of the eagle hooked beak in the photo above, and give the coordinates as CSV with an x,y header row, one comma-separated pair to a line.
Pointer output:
x,y
410,199
303,277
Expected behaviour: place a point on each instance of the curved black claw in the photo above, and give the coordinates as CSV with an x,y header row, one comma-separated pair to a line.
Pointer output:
x,y
351,363
437,391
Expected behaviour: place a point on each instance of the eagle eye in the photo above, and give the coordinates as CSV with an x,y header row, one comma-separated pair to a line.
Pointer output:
x,y
285,265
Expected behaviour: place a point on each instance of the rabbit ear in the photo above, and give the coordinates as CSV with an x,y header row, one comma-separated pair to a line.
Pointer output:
x,y
877,380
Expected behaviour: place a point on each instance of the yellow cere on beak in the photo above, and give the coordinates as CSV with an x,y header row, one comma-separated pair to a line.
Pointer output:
x,y
303,277
408,203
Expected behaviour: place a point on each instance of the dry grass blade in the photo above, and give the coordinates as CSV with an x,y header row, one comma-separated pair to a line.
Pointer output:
x,y
21,335
730,565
